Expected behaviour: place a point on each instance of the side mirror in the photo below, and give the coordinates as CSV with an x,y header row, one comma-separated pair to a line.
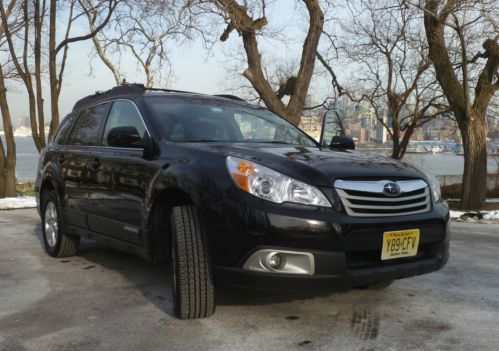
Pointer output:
x,y
126,137
342,142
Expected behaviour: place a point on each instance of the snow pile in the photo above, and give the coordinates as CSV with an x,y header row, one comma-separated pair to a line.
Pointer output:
x,y
456,214
471,216
9,203
491,215
492,200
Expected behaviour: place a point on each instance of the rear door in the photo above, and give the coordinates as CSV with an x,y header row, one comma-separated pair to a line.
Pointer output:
x,y
61,154
79,154
119,185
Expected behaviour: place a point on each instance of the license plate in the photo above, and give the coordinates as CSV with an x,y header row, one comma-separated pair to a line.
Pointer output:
x,y
398,244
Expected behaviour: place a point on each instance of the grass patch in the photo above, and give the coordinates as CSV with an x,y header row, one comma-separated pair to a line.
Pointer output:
x,y
25,189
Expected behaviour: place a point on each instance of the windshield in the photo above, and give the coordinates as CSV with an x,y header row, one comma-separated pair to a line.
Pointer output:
x,y
199,120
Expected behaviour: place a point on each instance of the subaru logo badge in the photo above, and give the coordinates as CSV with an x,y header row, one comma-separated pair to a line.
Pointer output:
x,y
391,189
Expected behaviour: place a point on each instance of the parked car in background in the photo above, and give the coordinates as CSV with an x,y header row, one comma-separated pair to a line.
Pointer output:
x,y
231,193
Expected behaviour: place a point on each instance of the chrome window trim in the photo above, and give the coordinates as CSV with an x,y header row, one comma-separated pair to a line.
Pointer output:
x,y
136,109
107,116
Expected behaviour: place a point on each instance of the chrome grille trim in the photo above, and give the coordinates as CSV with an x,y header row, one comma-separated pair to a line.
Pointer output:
x,y
382,205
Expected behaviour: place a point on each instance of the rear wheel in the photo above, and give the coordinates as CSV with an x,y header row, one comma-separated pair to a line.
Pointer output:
x,y
193,290
55,241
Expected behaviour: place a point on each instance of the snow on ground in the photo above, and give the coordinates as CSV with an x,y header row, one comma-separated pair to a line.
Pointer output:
x,y
493,200
10,203
491,215
473,216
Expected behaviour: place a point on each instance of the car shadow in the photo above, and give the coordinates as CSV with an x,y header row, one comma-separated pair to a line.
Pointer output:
x,y
153,280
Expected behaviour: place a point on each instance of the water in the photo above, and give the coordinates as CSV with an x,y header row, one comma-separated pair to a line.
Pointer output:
x,y
27,159
436,164
447,164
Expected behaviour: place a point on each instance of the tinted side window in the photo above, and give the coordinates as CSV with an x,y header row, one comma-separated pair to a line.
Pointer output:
x,y
123,114
64,130
88,126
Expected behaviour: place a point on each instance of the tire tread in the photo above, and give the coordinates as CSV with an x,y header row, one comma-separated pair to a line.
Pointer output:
x,y
195,296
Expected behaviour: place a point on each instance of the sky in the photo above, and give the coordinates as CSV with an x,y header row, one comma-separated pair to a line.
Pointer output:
x,y
194,68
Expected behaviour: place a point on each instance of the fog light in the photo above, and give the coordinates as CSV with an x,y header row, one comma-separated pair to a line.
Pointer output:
x,y
275,261
280,261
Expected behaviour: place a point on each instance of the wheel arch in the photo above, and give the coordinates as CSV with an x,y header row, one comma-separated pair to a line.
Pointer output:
x,y
48,184
53,180
158,226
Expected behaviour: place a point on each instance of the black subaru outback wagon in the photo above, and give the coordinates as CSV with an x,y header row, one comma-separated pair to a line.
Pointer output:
x,y
231,193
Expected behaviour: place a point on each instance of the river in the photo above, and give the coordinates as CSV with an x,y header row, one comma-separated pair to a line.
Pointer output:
x,y
436,164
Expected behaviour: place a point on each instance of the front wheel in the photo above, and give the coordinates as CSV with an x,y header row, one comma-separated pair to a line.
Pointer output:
x,y
55,241
193,289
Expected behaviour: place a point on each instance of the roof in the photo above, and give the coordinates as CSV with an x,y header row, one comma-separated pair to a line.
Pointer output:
x,y
134,90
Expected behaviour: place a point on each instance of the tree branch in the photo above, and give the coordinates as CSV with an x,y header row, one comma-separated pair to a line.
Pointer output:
x,y
112,6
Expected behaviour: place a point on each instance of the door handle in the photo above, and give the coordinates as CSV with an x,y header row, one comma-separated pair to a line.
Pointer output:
x,y
94,164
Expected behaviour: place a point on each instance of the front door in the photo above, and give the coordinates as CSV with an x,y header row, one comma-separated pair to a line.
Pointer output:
x,y
118,186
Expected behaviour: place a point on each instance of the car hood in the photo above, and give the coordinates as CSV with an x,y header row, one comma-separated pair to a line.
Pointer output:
x,y
316,165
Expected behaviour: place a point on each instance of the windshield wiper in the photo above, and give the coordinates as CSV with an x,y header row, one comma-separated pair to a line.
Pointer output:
x,y
206,141
275,142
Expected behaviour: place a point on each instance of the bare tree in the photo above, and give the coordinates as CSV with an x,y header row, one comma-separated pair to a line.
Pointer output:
x,y
455,30
27,52
7,153
144,30
385,42
248,20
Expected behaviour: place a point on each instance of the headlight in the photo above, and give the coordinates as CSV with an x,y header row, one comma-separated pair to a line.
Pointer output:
x,y
273,186
434,186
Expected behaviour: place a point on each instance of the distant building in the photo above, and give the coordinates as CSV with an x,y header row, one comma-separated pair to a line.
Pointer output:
x,y
312,125
381,132
24,122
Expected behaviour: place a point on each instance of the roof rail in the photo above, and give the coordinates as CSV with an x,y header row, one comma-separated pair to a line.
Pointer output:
x,y
132,88
115,91
171,90
229,96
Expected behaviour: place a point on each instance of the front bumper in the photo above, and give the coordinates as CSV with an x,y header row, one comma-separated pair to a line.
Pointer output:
x,y
346,250
334,272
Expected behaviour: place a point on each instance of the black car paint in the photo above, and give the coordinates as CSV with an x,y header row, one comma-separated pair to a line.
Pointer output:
x,y
112,200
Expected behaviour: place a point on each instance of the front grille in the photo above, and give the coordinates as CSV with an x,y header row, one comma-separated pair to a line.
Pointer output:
x,y
368,198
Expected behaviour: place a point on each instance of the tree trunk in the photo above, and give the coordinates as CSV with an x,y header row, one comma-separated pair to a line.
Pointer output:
x,y
395,146
243,22
38,25
54,91
474,184
7,159
400,149
8,179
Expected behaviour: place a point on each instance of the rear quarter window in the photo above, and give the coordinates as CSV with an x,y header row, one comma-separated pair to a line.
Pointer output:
x,y
89,126
64,130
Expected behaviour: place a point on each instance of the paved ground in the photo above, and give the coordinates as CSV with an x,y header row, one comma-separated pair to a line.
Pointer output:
x,y
107,300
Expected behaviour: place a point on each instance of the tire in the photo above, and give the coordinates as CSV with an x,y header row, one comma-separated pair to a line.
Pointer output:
x,y
193,289
55,241
383,284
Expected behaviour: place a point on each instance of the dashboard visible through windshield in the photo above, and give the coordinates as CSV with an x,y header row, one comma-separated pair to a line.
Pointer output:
x,y
197,121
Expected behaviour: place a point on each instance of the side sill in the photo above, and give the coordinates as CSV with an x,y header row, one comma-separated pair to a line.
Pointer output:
x,y
106,240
